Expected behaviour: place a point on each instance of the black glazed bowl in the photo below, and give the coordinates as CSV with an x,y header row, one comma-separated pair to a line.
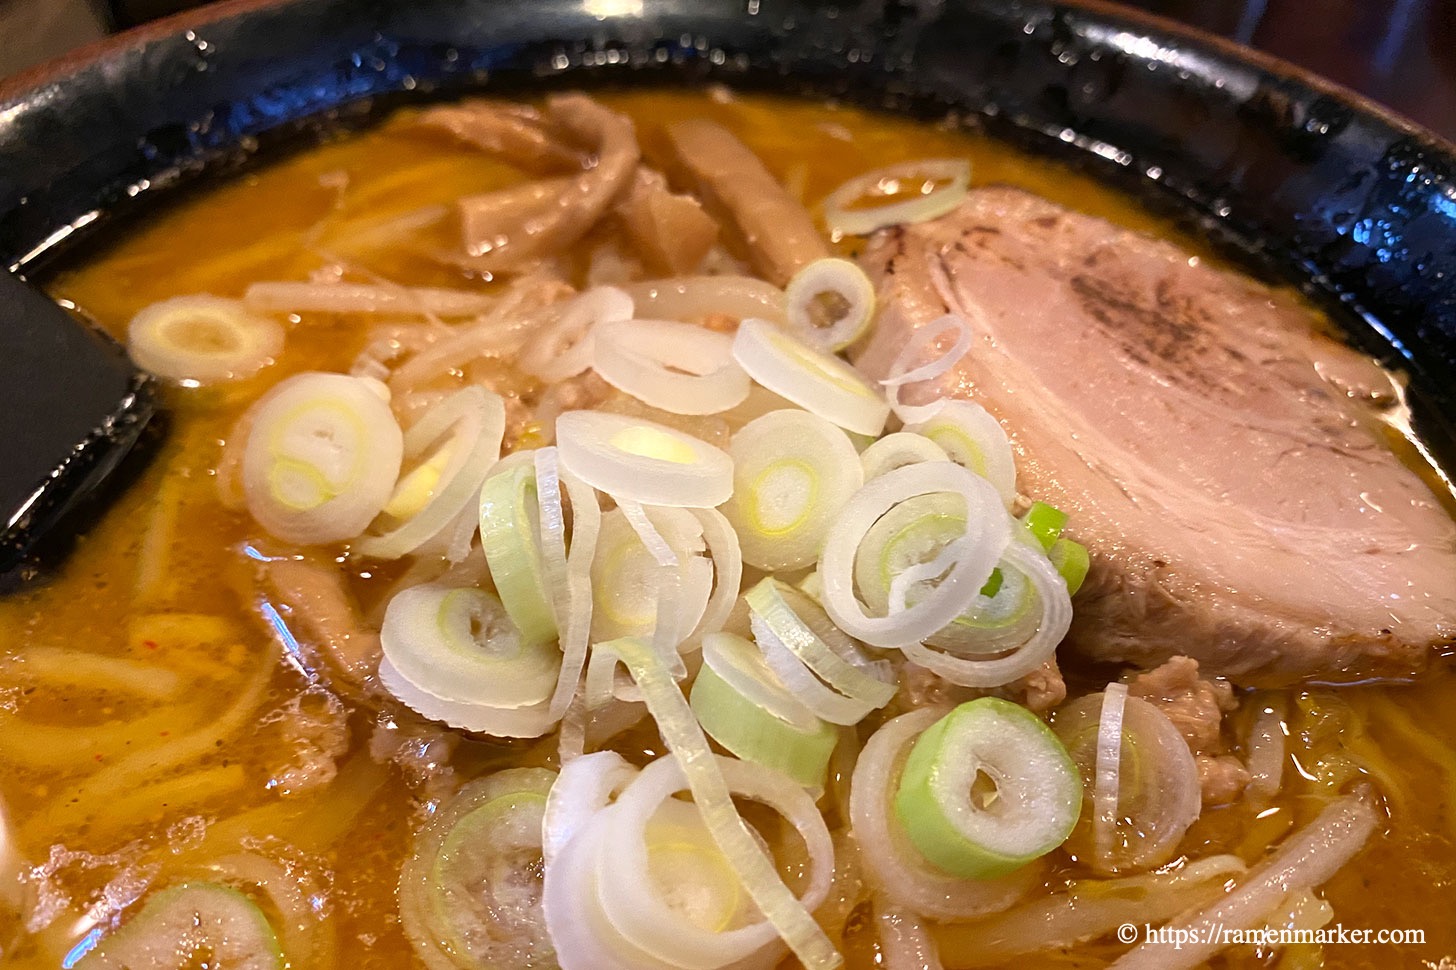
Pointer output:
x,y
1308,180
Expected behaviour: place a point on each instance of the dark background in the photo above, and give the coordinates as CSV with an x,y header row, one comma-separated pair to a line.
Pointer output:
x,y
1398,52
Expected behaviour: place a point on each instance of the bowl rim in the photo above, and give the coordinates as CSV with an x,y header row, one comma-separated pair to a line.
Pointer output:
x,y
32,80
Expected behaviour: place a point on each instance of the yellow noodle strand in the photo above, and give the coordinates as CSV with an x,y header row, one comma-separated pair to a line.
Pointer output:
x,y
154,584
1389,711
1379,766
64,750
167,798
1335,724
90,798
57,667
311,825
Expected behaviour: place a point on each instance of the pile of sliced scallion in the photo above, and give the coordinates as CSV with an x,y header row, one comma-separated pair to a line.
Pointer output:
x,y
766,595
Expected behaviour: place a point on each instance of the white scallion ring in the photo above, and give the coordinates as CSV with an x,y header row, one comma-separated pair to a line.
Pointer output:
x,y
727,556
974,439
830,303
460,645
675,367
643,461
891,860
500,722
898,450
647,919
432,495
322,457
814,380
973,556
1049,590
929,202
202,339
792,473
822,666
564,347
629,579
901,374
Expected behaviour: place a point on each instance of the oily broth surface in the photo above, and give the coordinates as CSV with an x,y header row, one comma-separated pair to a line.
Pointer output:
x,y
170,547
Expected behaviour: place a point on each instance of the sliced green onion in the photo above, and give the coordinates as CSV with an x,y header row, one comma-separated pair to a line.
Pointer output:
x,y
901,374
686,919
179,925
572,581
564,347
470,894
972,556
460,645
640,883
743,707
551,524
1032,791
740,665
502,722
911,532
1141,781
792,473
673,591
510,536
935,186
202,340
702,774
685,867
586,784
642,461
814,380
1045,522
892,863
727,558
322,457
288,893
1021,656
898,450
1000,618
1107,768
675,367
830,303
1071,561
975,440
817,662
439,488
628,578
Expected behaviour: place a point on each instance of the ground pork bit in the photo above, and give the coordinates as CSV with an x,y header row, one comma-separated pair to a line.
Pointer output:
x,y
586,390
314,730
422,752
1041,690
1044,687
1196,706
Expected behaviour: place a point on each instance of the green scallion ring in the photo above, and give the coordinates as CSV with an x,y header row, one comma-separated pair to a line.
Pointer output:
x,y
987,789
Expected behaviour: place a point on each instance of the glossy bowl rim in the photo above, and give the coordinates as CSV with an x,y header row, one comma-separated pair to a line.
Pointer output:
x,y
32,81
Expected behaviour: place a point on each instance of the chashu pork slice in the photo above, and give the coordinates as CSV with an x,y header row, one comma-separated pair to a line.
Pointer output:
x,y
1221,462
